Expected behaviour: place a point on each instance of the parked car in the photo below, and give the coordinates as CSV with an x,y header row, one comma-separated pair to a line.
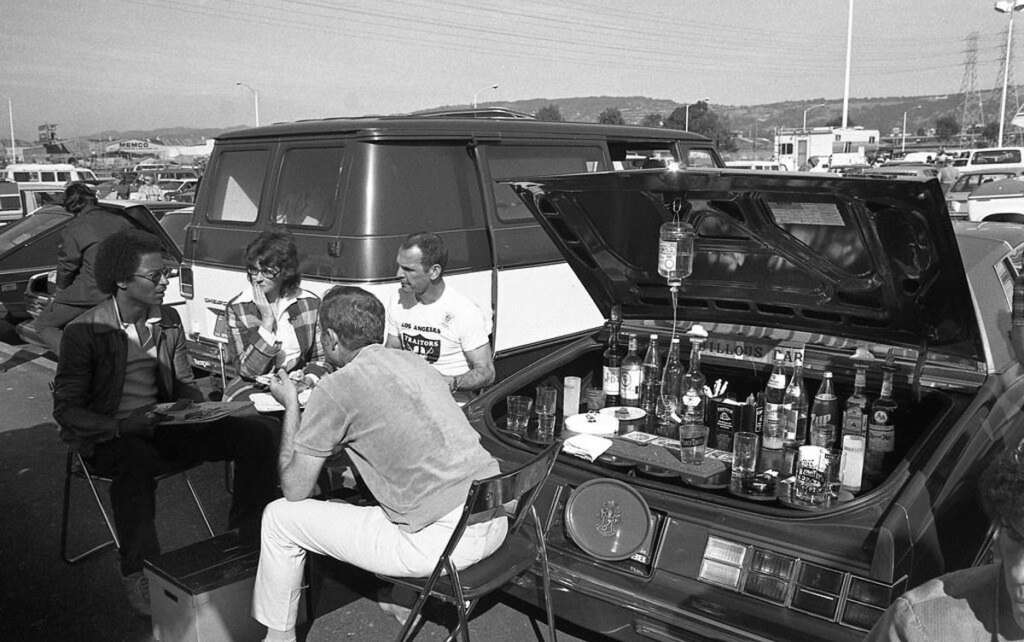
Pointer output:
x,y
1001,200
643,547
901,170
350,190
968,181
172,189
28,247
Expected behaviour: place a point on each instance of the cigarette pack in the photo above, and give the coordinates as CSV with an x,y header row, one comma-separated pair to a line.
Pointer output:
x,y
725,417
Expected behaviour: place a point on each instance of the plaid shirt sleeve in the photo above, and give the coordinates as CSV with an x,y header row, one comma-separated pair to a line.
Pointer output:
x,y
304,316
251,354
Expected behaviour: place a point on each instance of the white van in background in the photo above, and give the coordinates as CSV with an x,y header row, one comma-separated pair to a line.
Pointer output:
x,y
48,173
757,165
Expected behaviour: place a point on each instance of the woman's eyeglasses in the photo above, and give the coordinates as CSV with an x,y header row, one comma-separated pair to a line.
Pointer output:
x,y
156,277
268,272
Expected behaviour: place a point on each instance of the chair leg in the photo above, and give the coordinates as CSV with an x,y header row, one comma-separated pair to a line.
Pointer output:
x,y
463,624
546,577
65,518
199,504
414,615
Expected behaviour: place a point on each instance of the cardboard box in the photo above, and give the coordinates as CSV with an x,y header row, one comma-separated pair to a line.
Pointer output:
x,y
203,592
726,417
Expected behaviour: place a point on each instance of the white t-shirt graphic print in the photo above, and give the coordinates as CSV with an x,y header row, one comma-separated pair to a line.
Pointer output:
x,y
440,332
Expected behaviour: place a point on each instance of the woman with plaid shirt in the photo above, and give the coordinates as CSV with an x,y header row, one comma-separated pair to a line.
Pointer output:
x,y
273,325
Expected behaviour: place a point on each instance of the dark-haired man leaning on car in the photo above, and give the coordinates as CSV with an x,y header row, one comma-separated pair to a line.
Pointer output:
x,y
119,359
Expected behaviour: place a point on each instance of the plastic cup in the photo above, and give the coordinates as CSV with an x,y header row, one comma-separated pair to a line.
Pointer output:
x,y
517,413
571,396
546,400
745,448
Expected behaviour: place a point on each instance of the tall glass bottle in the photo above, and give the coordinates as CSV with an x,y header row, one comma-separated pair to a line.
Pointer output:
x,y
668,398
612,360
691,390
652,384
881,430
774,393
631,374
794,408
855,414
824,414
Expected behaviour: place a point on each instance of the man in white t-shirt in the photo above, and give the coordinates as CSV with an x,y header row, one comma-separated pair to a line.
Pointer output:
x,y
430,318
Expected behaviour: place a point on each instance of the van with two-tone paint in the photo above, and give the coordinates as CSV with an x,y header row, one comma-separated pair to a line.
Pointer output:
x,y
351,189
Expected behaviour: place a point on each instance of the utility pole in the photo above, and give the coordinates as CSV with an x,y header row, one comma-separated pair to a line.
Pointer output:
x,y
846,85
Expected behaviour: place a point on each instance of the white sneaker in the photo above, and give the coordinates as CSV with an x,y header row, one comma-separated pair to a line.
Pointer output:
x,y
136,586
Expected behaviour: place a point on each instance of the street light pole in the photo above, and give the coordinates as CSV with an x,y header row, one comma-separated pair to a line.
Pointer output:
x,y
1010,7
903,136
477,92
10,115
255,100
809,109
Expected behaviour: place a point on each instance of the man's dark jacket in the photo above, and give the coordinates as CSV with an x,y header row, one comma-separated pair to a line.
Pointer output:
x,y
90,375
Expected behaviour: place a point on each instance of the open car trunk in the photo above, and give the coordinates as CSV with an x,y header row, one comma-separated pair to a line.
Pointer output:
x,y
822,266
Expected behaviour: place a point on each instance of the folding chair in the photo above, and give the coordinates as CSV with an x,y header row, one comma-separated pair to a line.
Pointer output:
x,y
76,467
512,494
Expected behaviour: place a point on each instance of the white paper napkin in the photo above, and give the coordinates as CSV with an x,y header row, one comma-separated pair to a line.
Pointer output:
x,y
589,447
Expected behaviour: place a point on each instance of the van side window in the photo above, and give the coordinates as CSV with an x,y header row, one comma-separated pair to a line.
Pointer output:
x,y
63,177
236,185
309,182
23,177
411,188
47,177
699,158
512,161
641,155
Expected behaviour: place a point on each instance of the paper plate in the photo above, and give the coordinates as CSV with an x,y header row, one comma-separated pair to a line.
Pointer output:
x,y
592,423
607,519
624,413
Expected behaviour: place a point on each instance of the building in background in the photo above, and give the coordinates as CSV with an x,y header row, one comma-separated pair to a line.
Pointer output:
x,y
832,145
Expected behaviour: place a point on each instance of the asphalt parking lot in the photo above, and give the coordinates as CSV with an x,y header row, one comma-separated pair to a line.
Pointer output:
x,y
42,598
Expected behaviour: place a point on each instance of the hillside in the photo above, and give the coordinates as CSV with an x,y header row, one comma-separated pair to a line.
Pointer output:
x,y
884,114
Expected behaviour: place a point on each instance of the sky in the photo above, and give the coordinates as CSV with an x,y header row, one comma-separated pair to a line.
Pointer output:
x,y
95,65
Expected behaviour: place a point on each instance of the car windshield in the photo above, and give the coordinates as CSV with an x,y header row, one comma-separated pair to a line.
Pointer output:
x,y
30,228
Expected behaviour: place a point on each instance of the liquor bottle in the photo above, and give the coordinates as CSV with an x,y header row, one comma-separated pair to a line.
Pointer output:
x,y
774,393
691,390
855,415
824,413
881,429
668,397
612,360
652,384
794,409
631,374
693,436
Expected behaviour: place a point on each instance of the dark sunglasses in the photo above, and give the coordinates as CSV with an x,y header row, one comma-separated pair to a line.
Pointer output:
x,y
156,277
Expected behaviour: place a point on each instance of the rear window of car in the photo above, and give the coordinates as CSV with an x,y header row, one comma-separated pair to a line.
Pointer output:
x,y
30,228
970,181
411,187
699,158
310,181
236,185
10,203
519,161
995,156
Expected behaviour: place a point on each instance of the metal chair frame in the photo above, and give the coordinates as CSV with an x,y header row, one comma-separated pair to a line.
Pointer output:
x,y
512,494
76,467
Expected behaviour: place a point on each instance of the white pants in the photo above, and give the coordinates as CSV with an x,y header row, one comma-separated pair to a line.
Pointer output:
x,y
359,535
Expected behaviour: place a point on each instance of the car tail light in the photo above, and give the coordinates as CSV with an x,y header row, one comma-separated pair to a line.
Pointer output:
x,y
185,283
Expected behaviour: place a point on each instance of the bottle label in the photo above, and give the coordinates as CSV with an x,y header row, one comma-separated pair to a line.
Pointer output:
x,y
630,380
881,434
611,381
667,252
777,380
854,421
691,439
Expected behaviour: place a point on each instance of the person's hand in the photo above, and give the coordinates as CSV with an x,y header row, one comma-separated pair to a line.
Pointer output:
x,y
283,389
140,424
264,307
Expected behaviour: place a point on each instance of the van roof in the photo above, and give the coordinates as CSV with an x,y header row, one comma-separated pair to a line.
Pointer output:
x,y
449,126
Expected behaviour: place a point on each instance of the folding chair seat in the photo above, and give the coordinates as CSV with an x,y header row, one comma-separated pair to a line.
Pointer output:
x,y
512,494
76,467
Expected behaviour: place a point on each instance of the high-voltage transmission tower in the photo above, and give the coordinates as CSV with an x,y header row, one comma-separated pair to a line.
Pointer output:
x,y
972,110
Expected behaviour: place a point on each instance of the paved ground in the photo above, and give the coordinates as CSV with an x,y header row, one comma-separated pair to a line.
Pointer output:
x,y
42,598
